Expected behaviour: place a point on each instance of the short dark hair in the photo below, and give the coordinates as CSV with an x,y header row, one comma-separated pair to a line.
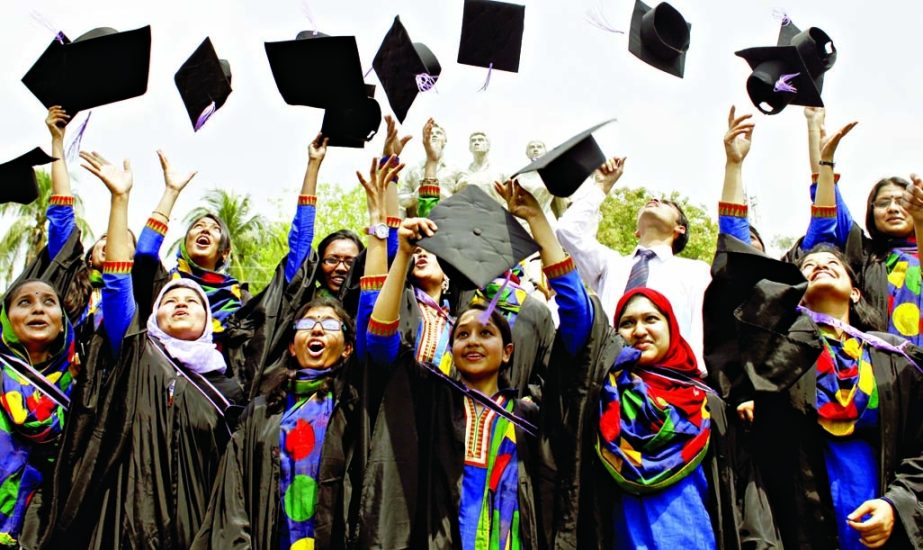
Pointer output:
x,y
861,314
679,243
873,231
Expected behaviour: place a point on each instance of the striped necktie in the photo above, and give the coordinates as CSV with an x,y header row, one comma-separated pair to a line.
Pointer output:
x,y
640,270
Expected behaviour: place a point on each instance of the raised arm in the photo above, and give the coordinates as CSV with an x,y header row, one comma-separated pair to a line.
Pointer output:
x,y
151,238
913,203
118,302
394,146
430,189
823,225
301,233
61,204
816,117
732,210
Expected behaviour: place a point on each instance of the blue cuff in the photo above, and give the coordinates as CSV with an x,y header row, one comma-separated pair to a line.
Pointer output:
x,y
574,309
118,307
60,226
149,243
735,226
300,237
383,350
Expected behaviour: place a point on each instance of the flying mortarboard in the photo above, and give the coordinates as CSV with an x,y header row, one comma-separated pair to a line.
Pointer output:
x,y
398,64
564,169
659,37
317,70
352,126
99,67
491,35
477,239
204,83
17,177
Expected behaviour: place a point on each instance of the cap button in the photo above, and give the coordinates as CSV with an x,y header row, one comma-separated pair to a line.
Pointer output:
x,y
477,231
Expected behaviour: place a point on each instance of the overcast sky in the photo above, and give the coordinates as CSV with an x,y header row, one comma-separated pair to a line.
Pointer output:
x,y
572,76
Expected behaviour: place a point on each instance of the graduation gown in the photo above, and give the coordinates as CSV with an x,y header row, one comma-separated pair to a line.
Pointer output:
x,y
244,511
585,490
412,484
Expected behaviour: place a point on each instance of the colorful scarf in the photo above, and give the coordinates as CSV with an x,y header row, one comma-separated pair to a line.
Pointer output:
x,y
846,387
904,283
654,424
489,507
301,438
28,418
223,291
94,308
511,299
199,355
434,330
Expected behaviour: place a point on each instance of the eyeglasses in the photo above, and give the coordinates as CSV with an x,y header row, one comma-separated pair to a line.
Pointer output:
x,y
885,202
333,261
328,324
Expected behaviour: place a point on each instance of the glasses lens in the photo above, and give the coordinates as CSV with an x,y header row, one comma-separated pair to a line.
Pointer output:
x,y
333,260
331,324
327,324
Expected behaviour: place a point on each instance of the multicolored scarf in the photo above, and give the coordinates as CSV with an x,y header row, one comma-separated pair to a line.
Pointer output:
x,y
654,424
28,419
223,291
846,387
434,330
94,310
301,438
511,298
489,507
904,284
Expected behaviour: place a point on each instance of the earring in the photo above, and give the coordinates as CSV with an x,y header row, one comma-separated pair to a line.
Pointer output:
x,y
445,283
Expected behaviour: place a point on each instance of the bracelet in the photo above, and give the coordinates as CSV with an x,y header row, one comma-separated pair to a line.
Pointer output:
x,y
162,214
826,163
429,181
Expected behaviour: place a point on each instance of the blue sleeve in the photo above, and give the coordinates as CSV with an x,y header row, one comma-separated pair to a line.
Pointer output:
x,y
844,219
382,350
392,244
821,229
574,309
150,241
735,226
300,237
366,303
60,226
118,307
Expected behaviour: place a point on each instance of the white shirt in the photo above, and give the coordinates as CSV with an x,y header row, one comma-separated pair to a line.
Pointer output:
x,y
408,186
483,178
605,271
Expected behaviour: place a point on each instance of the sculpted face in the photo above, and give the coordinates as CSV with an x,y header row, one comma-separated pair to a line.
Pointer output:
x,y
478,143
438,138
535,149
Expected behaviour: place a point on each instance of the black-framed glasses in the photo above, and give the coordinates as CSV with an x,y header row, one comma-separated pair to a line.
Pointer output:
x,y
328,324
334,261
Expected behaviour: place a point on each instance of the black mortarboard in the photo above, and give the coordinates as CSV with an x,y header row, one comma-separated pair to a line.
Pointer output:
x,y
659,37
204,83
355,125
477,239
100,67
491,34
398,63
317,70
567,166
17,177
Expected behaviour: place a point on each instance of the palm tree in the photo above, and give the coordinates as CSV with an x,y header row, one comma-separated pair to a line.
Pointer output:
x,y
246,230
28,233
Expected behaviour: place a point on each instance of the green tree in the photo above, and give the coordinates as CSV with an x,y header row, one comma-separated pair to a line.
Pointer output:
x,y
339,208
28,232
247,229
620,217
783,243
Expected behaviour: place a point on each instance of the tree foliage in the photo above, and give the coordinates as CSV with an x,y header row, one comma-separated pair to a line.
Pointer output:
x,y
28,231
620,216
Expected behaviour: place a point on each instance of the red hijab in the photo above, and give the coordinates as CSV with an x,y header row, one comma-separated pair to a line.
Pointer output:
x,y
679,356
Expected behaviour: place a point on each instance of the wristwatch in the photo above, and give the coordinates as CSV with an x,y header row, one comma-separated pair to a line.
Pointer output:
x,y
379,230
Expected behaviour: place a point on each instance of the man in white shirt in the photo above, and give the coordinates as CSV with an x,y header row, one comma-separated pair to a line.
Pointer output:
x,y
479,172
661,229
447,177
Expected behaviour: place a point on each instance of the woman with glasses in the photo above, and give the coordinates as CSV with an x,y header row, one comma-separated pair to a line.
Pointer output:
x,y
286,478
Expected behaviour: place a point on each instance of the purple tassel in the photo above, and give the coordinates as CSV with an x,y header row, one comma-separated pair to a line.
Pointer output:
x,y
368,72
598,19
490,69
74,148
425,82
306,8
206,114
784,84
43,21
782,16
485,317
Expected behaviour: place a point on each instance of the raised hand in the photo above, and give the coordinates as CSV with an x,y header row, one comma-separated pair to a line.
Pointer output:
x,y
738,137
432,154
412,230
117,180
815,116
828,145
609,173
56,120
317,149
173,180
377,185
912,200
876,530
393,144
519,202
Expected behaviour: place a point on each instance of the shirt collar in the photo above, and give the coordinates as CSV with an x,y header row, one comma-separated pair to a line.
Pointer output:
x,y
662,251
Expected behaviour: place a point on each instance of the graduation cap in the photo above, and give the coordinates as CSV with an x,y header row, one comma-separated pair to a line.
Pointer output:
x,y
564,169
477,238
204,83
100,67
352,126
17,177
398,64
491,35
659,37
790,73
317,70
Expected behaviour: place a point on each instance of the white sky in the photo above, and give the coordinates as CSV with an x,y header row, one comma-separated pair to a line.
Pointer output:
x,y
571,76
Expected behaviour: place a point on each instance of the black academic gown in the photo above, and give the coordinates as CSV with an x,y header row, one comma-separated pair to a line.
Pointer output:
x,y
244,511
412,484
585,490
783,347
